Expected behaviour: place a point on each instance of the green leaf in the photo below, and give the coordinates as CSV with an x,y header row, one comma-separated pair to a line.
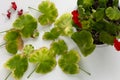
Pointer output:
x,y
46,62
84,41
26,24
49,12
11,35
28,31
99,14
64,23
102,3
69,62
18,64
52,35
58,47
23,21
12,47
113,13
28,49
106,38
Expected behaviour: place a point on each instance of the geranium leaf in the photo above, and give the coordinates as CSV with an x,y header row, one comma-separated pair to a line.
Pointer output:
x,y
59,47
53,34
113,13
26,24
11,35
46,62
84,41
12,47
106,38
28,49
69,62
18,64
49,12
64,24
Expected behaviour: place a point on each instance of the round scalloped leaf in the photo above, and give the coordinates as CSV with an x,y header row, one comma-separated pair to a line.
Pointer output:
x,y
59,47
28,30
113,13
49,12
11,35
64,23
12,47
18,64
46,66
28,49
69,62
23,21
46,62
53,34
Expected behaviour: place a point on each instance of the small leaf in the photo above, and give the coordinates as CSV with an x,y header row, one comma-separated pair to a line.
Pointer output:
x,y
43,58
59,47
28,49
49,12
69,62
18,64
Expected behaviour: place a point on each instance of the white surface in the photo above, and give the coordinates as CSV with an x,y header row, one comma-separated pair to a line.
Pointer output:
x,y
103,64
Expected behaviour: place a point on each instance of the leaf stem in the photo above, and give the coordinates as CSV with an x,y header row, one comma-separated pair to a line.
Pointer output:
x,y
32,71
2,44
85,71
33,9
8,76
4,31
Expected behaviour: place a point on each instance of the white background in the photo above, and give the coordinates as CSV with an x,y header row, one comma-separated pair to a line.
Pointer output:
x,y
103,63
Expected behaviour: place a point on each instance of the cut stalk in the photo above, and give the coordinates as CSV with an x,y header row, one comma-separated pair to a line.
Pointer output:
x,y
4,31
2,44
32,71
8,76
85,71
34,9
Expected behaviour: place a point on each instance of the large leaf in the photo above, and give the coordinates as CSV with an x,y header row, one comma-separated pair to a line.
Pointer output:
x,y
69,62
59,47
11,35
84,41
49,12
64,24
18,64
46,62
26,24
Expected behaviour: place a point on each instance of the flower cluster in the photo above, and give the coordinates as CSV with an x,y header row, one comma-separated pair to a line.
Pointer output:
x,y
12,9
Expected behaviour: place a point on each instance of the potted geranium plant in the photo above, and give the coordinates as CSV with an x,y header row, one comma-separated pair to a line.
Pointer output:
x,y
97,22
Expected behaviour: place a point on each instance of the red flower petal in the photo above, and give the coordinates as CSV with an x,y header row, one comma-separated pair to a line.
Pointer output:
x,y
20,12
14,6
117,44
8,14
75,13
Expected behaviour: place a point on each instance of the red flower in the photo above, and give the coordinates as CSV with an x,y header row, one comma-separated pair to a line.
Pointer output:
x,y
75,18
14,6
8,14
117,44
20,12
